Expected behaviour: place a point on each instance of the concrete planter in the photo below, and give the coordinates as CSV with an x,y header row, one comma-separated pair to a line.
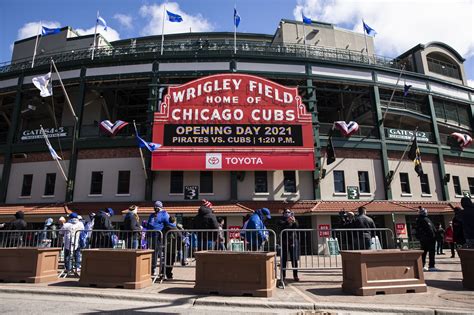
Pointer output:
x,y
390,271
235,273
29,264
111,268
467,263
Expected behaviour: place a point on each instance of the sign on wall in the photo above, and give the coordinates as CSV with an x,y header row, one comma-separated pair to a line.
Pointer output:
x,y
400,228
233,122
324,230
34,134
407,135
353,192
191,192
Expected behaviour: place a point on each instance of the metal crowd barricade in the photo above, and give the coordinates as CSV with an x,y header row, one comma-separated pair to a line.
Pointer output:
x,y
35,239
316,249
180,245
122,239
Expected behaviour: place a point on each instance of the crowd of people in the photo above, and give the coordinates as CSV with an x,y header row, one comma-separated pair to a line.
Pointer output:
x,y
99,232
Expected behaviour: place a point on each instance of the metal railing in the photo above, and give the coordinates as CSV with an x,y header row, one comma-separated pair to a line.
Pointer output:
x,y
180,245
31,238
208,48
314,249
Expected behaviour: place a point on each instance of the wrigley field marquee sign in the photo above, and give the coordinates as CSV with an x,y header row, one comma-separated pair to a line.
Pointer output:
x,y
232,122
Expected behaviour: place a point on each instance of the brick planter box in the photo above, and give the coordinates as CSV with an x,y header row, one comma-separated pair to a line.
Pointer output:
x,y
111,268
390,271
467,265
235,273
29,264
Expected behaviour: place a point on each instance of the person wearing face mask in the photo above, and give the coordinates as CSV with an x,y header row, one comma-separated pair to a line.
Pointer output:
x,y
290,242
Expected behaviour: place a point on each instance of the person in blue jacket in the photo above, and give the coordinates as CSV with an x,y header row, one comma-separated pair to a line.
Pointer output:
x,y
255,239
156,222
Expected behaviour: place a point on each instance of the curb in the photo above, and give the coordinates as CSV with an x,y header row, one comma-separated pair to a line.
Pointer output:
x,y
207,301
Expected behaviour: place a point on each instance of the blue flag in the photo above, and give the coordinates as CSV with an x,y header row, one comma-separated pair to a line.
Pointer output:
x,y
306,20
149,145
236,18
49,31
172,17
406,87
101,21
369,30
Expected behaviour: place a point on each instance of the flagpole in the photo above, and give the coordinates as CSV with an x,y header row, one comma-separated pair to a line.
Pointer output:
x,y
57,160
401,159
393,93
304,39
235,30
36,46
163,30
366,46
64,90
141,152
95,35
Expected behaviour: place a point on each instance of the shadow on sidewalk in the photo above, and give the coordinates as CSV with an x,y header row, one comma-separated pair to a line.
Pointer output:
x,y
447,285
181,291
66,283
327,292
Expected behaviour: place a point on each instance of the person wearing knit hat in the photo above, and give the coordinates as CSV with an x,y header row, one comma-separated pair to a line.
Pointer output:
x,y
207,203
205,220
71,235
256,239
426,234
133,227
157,222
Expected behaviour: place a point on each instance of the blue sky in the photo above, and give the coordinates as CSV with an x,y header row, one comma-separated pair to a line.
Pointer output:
x,y
399,23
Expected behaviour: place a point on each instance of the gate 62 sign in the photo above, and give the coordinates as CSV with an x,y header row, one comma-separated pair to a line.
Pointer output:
x,y
232,122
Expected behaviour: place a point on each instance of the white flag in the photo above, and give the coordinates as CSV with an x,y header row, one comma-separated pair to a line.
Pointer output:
x,y
43,83
54,155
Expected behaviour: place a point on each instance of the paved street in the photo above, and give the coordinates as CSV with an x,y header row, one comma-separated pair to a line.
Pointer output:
x,y
317,290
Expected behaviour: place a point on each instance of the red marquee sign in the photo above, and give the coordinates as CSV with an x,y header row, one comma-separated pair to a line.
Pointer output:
x,y
232,122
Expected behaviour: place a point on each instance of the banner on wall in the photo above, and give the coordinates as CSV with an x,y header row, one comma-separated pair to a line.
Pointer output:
x,y
233,122
400,228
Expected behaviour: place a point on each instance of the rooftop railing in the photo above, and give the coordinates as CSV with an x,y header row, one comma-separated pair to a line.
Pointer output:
x,y
204,48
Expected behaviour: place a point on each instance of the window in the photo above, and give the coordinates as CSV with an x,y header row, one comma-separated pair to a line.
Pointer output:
x,y
123,185
206,182
176,182
96,183
26,187
50,184
425,185
364,186
470,181
457,186
289,181
441,64
405,183
339,182
261,182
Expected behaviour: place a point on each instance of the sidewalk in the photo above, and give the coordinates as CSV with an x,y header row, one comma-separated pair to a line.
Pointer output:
x,y
317,290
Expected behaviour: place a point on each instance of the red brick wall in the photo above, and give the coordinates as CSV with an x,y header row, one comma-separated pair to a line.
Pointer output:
x,y
109,153
458,161
396,155
40,157
354,153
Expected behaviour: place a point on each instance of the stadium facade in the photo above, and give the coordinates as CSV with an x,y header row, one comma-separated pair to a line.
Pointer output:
x,y
327,74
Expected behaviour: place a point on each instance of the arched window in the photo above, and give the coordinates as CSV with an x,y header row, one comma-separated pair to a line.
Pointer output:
x,y
442,64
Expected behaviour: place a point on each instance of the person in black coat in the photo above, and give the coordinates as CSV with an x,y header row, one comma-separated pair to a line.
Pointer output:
x,y
426,234
467,219
133,227
15,239
290,243
458,233
206,220
439,239
101,233
174,243
362,221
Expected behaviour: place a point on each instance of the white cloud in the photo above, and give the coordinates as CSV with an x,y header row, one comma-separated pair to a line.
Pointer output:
x,y
111,34
400,24
154,14
124,20
470,83
32,28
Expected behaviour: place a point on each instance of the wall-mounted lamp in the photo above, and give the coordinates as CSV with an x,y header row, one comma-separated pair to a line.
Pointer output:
x,y
447,178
